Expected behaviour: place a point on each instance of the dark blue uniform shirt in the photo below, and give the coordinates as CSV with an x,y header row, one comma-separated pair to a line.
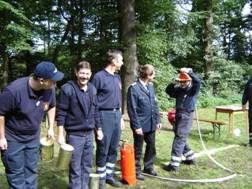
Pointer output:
x,y
108,89
185,98
24,109
142,107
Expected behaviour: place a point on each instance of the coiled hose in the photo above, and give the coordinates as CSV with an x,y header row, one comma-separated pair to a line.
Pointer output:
x,y
221,179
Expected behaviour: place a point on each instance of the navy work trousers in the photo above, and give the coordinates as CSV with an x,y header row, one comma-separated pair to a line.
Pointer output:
x,y
106,151
182,128
20,161
81,162
250,125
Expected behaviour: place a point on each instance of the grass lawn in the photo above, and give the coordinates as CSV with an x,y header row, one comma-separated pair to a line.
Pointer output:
x,y
238,158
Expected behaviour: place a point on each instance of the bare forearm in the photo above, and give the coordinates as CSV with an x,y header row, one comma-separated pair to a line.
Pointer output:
x,y
3,141
2,129
60,136
51,117
60,130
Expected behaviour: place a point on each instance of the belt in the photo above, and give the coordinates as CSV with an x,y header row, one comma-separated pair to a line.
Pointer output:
x,y
109,109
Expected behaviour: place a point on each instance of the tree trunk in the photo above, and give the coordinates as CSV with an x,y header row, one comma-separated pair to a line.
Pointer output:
x,y
128,41
63,39
207,37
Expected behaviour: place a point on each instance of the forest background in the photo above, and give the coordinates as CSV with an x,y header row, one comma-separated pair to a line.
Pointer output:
x,y
213,37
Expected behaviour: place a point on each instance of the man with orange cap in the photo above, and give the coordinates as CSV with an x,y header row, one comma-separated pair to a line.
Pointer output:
x,y
185,90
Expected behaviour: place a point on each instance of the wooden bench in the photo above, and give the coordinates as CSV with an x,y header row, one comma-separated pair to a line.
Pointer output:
x,y
215,123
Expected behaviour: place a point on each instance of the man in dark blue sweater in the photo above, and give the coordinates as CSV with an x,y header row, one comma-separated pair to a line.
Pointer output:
x,y
23,105
108,85
186,93
77,113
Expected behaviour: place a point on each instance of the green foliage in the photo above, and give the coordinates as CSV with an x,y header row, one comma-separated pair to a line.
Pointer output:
x,y
208,100
152,50
170,35
225,84
226,76
15,31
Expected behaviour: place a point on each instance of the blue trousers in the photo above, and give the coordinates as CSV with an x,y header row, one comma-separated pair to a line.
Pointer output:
x,y
250,125
20,161
82,159
106,151
180,146
150,150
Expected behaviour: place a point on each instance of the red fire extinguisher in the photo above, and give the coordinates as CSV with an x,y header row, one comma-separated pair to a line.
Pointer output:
x,y
128,163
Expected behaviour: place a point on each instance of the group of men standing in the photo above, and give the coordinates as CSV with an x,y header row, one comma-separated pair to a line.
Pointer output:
x,y
84,107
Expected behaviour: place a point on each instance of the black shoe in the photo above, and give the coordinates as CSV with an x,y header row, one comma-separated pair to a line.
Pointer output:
x,y
114,183
139,177
171,168
150,172
189,162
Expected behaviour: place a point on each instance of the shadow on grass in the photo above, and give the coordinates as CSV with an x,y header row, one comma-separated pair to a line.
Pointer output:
x,y
50,177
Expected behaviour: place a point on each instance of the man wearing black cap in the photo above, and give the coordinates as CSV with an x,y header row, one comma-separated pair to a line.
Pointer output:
x,y
23,104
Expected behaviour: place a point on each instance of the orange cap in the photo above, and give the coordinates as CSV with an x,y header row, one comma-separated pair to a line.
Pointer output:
x,y
184,77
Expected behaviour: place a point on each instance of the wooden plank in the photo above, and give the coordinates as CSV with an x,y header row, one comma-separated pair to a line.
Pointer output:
x,y
212,121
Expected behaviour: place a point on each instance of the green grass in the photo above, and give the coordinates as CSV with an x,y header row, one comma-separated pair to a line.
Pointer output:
x,y
238,159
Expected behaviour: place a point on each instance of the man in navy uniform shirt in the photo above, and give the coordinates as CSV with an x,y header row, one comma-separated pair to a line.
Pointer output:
x,y
144,119
185,90
108,85
23,104
77,112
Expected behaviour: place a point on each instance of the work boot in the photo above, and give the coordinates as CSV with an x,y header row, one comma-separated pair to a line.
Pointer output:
x,y
189,162
139,176
171,168
150,172
102,184
114,183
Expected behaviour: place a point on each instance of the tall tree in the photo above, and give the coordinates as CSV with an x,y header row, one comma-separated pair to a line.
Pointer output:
x,y
15,36
208,36
128,41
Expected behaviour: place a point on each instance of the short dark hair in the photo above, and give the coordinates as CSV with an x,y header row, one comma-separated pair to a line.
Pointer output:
x,y
81,65
112,54
145,70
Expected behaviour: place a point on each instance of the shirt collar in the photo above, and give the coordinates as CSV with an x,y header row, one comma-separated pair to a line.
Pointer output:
x,y
143,83
109,74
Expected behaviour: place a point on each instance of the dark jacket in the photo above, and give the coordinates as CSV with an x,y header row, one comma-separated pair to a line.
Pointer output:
x,y
247,94
71,112
185,98
142,107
